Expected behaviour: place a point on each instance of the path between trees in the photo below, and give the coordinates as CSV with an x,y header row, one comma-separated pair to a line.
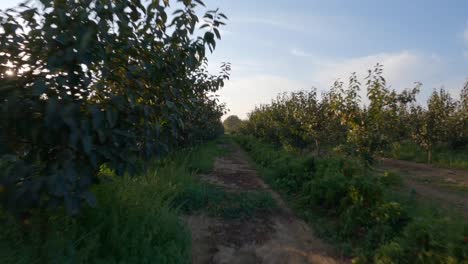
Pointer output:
x,y
276,238
448,187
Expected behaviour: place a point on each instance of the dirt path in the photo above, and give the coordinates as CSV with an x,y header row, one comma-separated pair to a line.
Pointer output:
x,y
446,186
277,238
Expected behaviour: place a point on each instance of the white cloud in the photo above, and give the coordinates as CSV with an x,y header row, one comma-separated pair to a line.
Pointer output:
x,y
253,86
299,53
243,94
401,69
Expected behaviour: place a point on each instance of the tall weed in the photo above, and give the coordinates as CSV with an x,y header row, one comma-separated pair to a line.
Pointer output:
x,y
133,223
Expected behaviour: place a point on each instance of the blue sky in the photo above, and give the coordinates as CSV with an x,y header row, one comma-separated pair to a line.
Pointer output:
x,y
279,45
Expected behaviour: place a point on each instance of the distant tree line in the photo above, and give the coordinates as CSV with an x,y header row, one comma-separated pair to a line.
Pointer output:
x,y
339,119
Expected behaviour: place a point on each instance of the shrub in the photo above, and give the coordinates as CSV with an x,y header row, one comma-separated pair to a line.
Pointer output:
x,y
390,178
325,193
425,240
355,210
389,254
134,224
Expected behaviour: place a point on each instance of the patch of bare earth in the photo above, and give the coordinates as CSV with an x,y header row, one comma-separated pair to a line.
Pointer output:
x,y
432,183
275,238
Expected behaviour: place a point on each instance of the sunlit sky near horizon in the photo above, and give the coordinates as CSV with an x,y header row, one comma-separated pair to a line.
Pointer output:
x,y
278,45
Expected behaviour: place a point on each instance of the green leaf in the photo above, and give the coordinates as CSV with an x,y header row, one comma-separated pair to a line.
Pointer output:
x,y
216,31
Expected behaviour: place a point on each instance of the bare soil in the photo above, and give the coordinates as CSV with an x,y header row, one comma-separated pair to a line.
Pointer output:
x,y
276,238
443,186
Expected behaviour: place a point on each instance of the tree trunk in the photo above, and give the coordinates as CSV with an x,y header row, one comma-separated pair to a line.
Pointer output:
x,y
429,156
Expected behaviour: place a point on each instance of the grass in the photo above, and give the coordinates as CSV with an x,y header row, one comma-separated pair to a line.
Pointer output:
x,y
217,202
201,197
133,223
202,158
360,212
443,156
136,220
440,231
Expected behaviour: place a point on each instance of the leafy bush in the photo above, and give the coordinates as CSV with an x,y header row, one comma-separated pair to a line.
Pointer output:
x,y
134,224
390,178
354,209
425,240
356,201
325,193
289,171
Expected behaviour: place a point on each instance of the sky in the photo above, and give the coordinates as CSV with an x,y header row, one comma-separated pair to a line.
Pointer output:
x,y
279,46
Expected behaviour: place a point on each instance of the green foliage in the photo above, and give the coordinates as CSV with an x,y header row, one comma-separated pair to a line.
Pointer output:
x,y
351,206
339,119
458,135
373,128
390,178
296,120
287,171
215,201
443,155
232,124
135,223
434,125
425,240
99,82
355,201
202,157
